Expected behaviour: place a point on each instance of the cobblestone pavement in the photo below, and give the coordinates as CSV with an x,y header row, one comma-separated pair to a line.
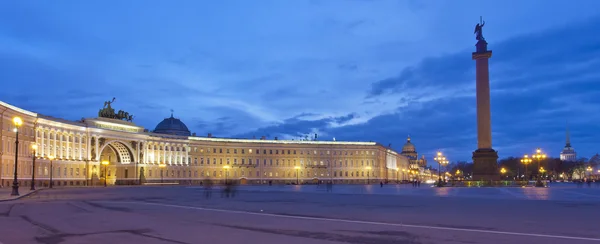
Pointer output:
x,y
304,214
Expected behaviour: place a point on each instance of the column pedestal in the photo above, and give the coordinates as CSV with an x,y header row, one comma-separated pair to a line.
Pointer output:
x,y
485,166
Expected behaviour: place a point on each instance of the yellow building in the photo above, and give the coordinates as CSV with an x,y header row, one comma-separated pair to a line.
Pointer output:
x,y
72,152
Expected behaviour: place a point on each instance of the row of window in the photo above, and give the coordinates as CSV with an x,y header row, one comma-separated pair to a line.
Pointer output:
x,y
62,137
283,151
221,174
43,170
283,162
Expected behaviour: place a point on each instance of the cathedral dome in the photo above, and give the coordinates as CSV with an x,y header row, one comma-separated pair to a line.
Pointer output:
x,y
408,146
172,126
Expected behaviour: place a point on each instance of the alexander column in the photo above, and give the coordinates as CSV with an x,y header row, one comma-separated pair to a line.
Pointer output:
x,y
484,158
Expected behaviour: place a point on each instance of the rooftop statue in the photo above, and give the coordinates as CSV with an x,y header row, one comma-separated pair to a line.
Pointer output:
x,y
479,30
108,112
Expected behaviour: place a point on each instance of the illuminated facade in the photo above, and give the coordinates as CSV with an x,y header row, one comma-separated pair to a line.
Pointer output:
x,y
568,153
135,155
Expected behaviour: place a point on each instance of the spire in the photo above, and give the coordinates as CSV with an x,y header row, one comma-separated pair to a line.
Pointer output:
x,y
172,113
408,139
568,141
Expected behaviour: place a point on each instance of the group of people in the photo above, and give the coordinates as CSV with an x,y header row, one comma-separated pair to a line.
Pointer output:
x,y
416,183
588,181
229,189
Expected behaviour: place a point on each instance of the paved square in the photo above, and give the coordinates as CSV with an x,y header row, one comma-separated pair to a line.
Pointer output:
x,y
305,214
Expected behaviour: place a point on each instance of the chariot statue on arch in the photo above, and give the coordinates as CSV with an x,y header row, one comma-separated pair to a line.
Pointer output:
x,y
108,112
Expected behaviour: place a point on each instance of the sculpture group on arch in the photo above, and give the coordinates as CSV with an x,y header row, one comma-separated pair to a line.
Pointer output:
x,y
108,112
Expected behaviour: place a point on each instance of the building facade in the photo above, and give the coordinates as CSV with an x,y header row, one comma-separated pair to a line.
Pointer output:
x,y
72,152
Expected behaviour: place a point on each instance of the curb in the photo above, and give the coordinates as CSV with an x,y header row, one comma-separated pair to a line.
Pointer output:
x,y
22,196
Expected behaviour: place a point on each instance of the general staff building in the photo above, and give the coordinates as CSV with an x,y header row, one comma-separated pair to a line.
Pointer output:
x,y
112,148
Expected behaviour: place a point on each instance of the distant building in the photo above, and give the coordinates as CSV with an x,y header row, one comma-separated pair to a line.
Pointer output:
x,y
568,153
409,151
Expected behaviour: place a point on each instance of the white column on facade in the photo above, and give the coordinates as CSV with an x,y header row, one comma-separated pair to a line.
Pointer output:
x,y
97,148
149,151
54,142
66,140
187,156
177,153
145,153
42,142
137,149
60,143
164,154
73,147
80,146
88,149
170,155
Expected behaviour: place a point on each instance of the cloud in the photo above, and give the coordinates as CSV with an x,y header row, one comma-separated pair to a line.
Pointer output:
x,y
538,81
277,68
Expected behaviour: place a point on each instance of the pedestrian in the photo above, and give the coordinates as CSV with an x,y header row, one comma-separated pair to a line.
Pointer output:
x,y
418,183
381,184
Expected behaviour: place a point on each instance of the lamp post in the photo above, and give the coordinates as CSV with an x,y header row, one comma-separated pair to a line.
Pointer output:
x,y
503,171
403,175
397,173
105,163
51,157
226,167
589,170
539,156
368,169
441,160
297,168
17,121
526,160
161,166
34,147
542,170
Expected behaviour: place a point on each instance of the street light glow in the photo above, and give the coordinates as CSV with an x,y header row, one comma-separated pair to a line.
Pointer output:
x,y
17,121
105,162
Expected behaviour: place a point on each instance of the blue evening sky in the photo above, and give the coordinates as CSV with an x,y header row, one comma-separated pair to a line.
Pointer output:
x,y
353,70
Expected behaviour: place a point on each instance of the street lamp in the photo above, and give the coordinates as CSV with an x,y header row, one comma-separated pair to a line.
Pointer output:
x,y
34,147
17,121
526,160
503,171
368,169
297,168
51,171
397,172
226,167
589,170
542,170
161,166
539,156
105,163
441,160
